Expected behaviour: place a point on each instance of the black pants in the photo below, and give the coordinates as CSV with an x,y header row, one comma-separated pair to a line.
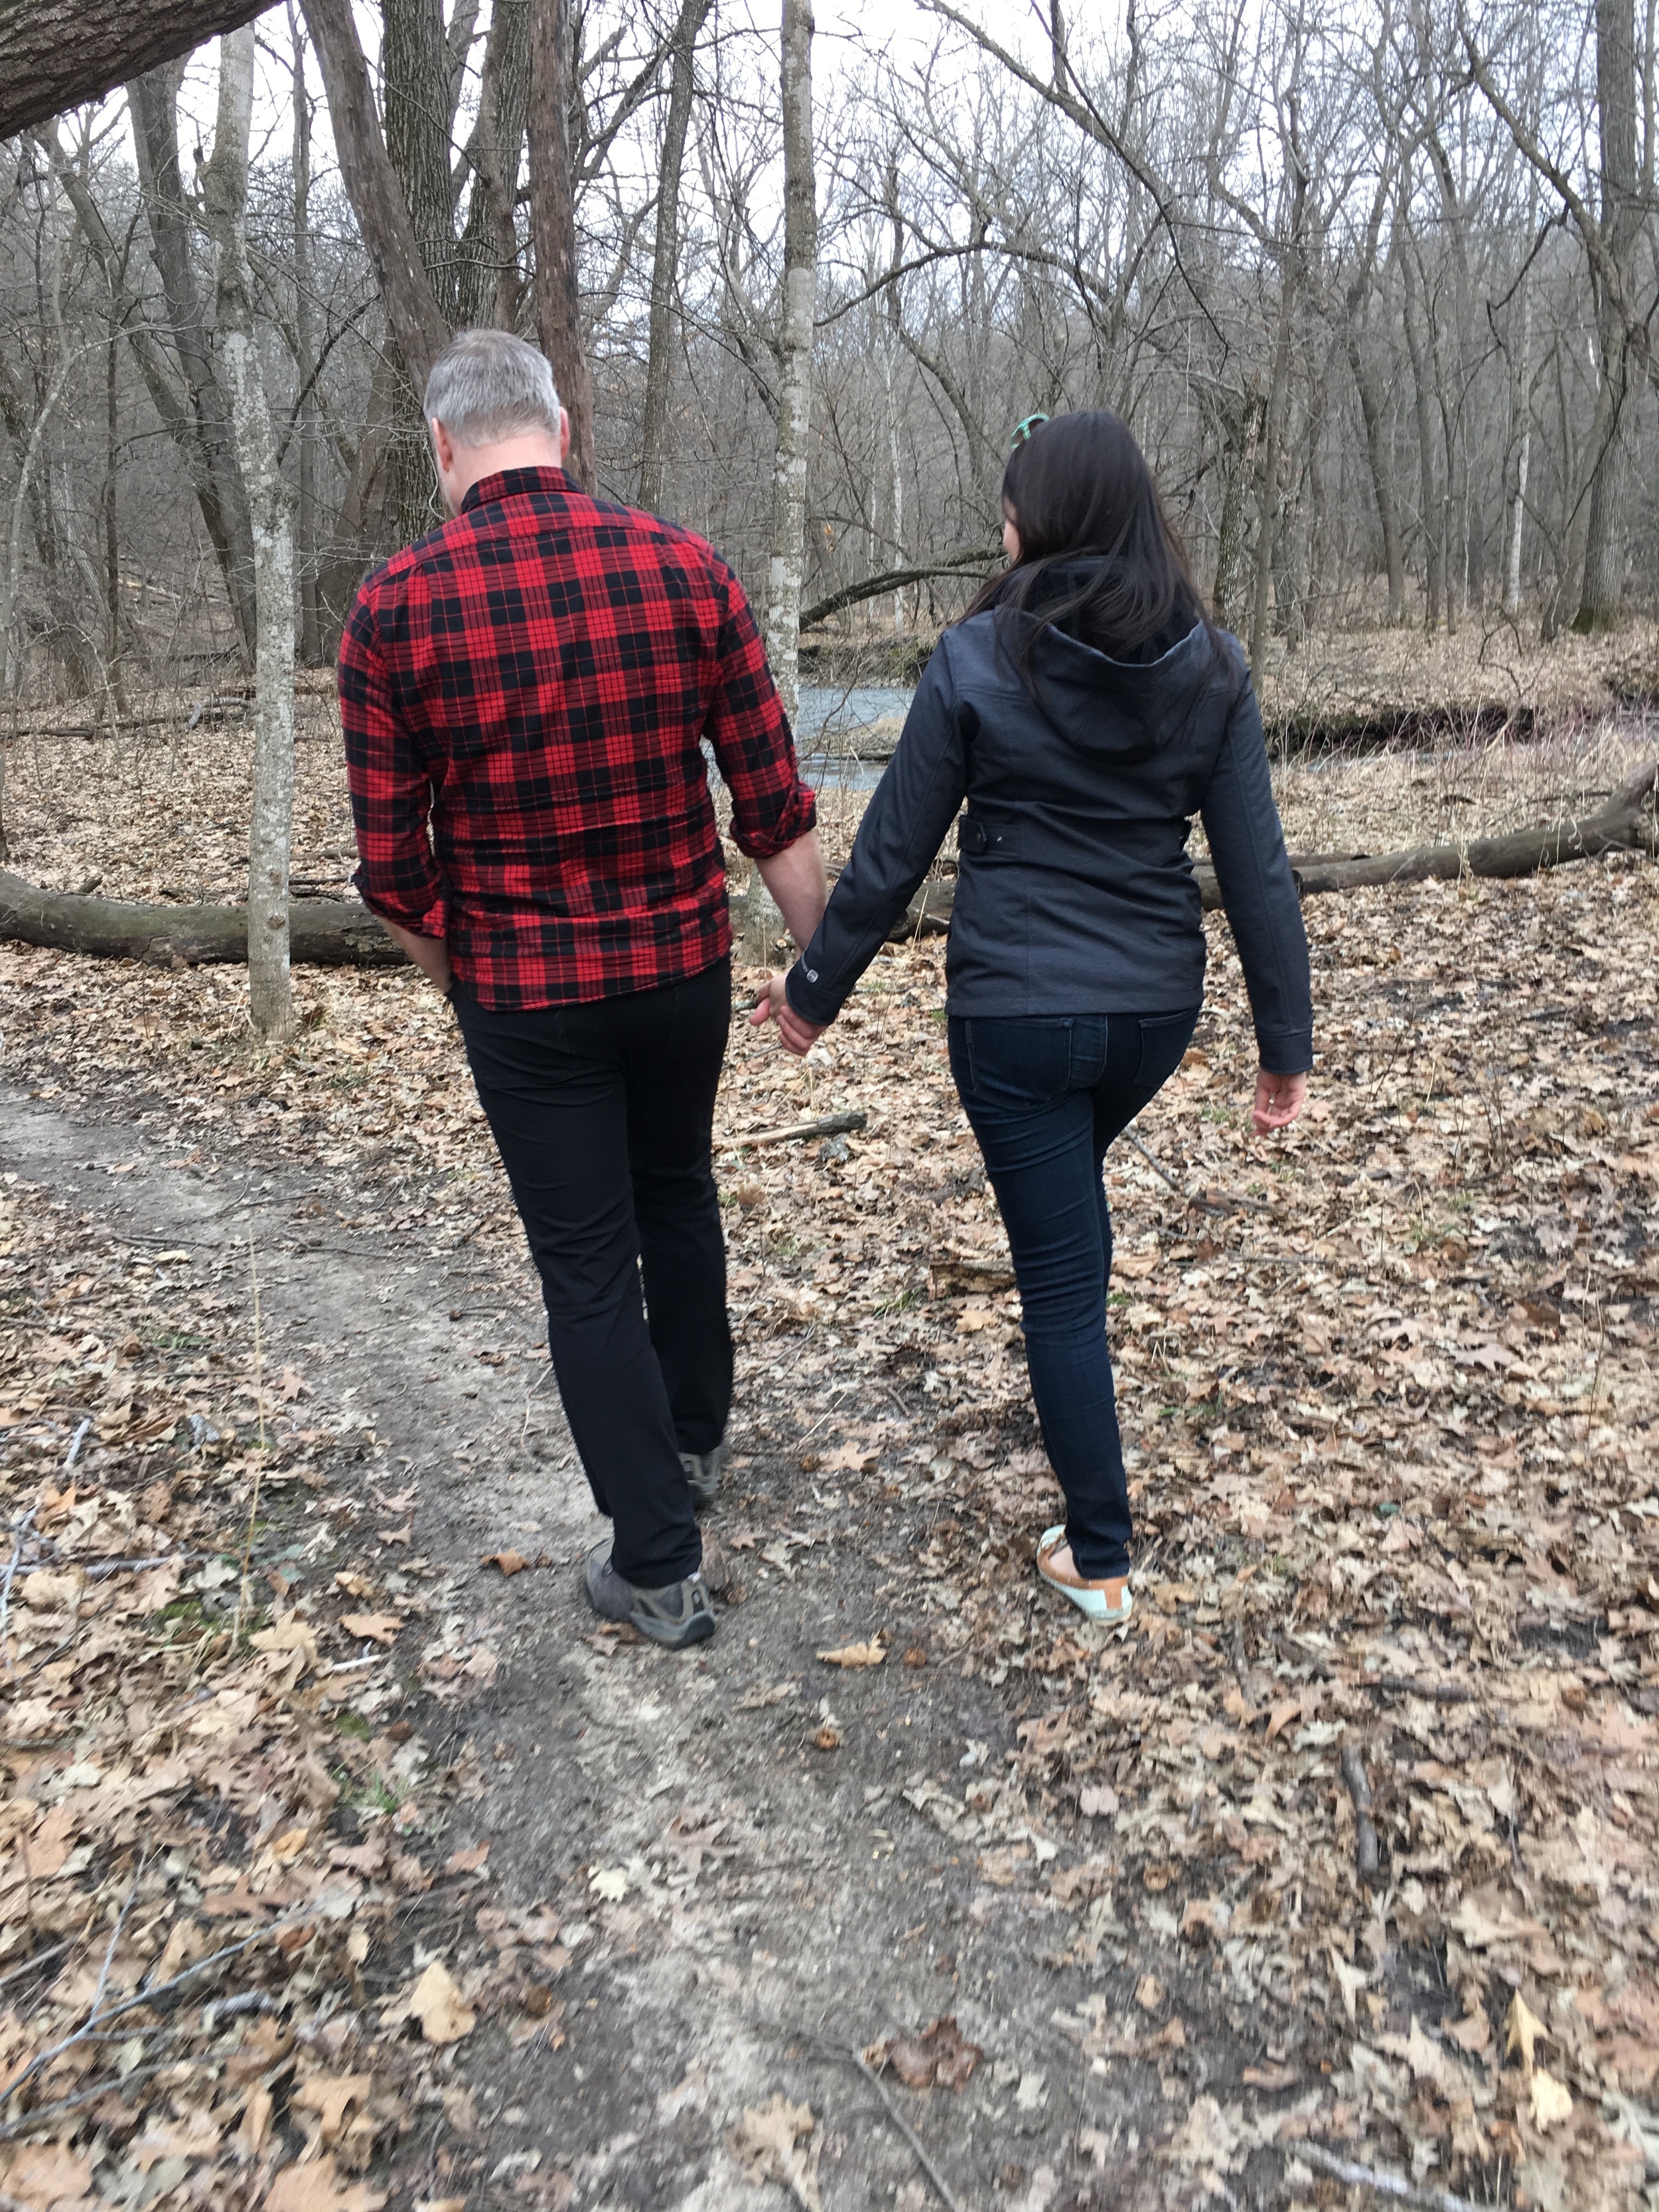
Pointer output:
x,y
602,1114
1046,1098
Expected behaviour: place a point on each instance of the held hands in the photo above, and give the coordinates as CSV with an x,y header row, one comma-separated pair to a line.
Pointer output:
x,y
1278,1100
797,1035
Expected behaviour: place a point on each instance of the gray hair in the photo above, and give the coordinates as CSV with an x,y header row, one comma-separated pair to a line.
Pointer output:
x,y
487,384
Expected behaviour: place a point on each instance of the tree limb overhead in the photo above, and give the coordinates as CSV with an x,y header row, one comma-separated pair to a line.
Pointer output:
x,y
54,54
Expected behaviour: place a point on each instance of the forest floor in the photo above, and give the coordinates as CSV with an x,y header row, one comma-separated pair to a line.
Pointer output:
x,y
345,1861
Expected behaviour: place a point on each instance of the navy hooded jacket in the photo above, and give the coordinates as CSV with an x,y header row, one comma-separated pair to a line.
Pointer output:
x,y
1075,894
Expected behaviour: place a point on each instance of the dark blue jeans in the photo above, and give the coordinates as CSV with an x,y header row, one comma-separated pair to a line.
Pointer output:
x,y
1046,1096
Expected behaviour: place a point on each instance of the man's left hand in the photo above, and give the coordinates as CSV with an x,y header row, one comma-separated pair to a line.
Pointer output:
x,y
799,1036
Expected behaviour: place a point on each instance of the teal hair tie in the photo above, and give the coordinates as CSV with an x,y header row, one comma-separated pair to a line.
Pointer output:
x,y
1024,431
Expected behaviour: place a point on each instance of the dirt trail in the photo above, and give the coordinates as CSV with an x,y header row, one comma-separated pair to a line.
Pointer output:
x,y
728,1890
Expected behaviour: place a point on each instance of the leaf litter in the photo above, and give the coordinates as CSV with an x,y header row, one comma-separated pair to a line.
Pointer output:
x,y
1388,1384
213,1859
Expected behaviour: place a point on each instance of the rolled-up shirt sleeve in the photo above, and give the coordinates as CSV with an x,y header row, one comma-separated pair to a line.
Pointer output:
x,y
390,790
771,806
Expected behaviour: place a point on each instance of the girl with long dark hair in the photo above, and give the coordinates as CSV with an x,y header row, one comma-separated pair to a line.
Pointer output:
x,y
1085,709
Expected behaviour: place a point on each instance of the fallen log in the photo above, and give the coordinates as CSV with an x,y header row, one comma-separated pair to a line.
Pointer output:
x,y
1626,823
341,932
324,933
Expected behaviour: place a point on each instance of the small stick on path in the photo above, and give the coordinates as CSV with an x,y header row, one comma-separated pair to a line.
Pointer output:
x,y
1365,1855
1195,1203
1385,2182
850,2056
830,1125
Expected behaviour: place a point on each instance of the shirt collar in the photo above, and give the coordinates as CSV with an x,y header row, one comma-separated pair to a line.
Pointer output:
x,y
507,483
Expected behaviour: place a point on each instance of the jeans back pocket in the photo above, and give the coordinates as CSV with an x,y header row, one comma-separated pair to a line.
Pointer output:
x,y
1017,1063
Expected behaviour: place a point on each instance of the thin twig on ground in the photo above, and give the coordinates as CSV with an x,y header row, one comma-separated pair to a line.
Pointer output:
x,y
259,1467
848,2055
142,1997
1195,1201
1384,2182
829,1125
20,1532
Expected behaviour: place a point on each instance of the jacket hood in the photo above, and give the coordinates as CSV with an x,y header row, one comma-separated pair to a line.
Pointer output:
x,y
1090,697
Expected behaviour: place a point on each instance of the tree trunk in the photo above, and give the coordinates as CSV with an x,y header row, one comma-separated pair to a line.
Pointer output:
x,y
553,230
353,544
664,260
305,361
1241,424
1622,217
418,329
786,562
11,576
1524,456
1272,440
269,506
1430,494
415,68
1381,476
491,289
155,103
112,547
58,54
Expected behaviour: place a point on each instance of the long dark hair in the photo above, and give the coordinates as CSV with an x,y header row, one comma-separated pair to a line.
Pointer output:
x,y
1097,555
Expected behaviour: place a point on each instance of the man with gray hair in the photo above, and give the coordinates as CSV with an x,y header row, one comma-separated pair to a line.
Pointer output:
x,y
524,694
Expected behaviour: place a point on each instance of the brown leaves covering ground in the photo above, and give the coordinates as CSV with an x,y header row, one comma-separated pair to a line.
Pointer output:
x,y
213,1853
1390,1388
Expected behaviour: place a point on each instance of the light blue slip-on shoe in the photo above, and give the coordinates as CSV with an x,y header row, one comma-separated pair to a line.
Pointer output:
x,y
1108,1601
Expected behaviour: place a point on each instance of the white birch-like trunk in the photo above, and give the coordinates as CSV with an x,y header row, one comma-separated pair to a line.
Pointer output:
x,y
895,472
269,501
1522,459
788,563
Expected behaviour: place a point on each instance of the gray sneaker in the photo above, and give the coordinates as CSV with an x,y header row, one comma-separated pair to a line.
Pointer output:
x,y
702,1475
680,1614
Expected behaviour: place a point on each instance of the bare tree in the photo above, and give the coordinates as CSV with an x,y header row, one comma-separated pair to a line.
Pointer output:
x,y
553,225
664,255
270,502
786,560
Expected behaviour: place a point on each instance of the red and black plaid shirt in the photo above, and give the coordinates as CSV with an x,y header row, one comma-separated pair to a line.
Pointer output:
x,y
525,693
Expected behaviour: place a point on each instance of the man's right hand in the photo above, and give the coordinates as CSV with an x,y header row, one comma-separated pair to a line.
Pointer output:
x,y
799,1036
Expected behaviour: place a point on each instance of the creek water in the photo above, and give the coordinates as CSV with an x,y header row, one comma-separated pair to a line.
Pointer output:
x,y
830,715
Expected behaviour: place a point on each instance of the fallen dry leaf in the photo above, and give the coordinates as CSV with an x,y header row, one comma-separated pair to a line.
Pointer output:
x,y
1521,2029
855,1655
1552,2102
374,1627
315,2186
44,2175
767,2141
510,1562
288,1633
331,2096
436,2001
940,2055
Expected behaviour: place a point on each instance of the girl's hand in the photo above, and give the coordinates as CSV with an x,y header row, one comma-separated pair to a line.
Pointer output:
x,y
797,1035
1278,1100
